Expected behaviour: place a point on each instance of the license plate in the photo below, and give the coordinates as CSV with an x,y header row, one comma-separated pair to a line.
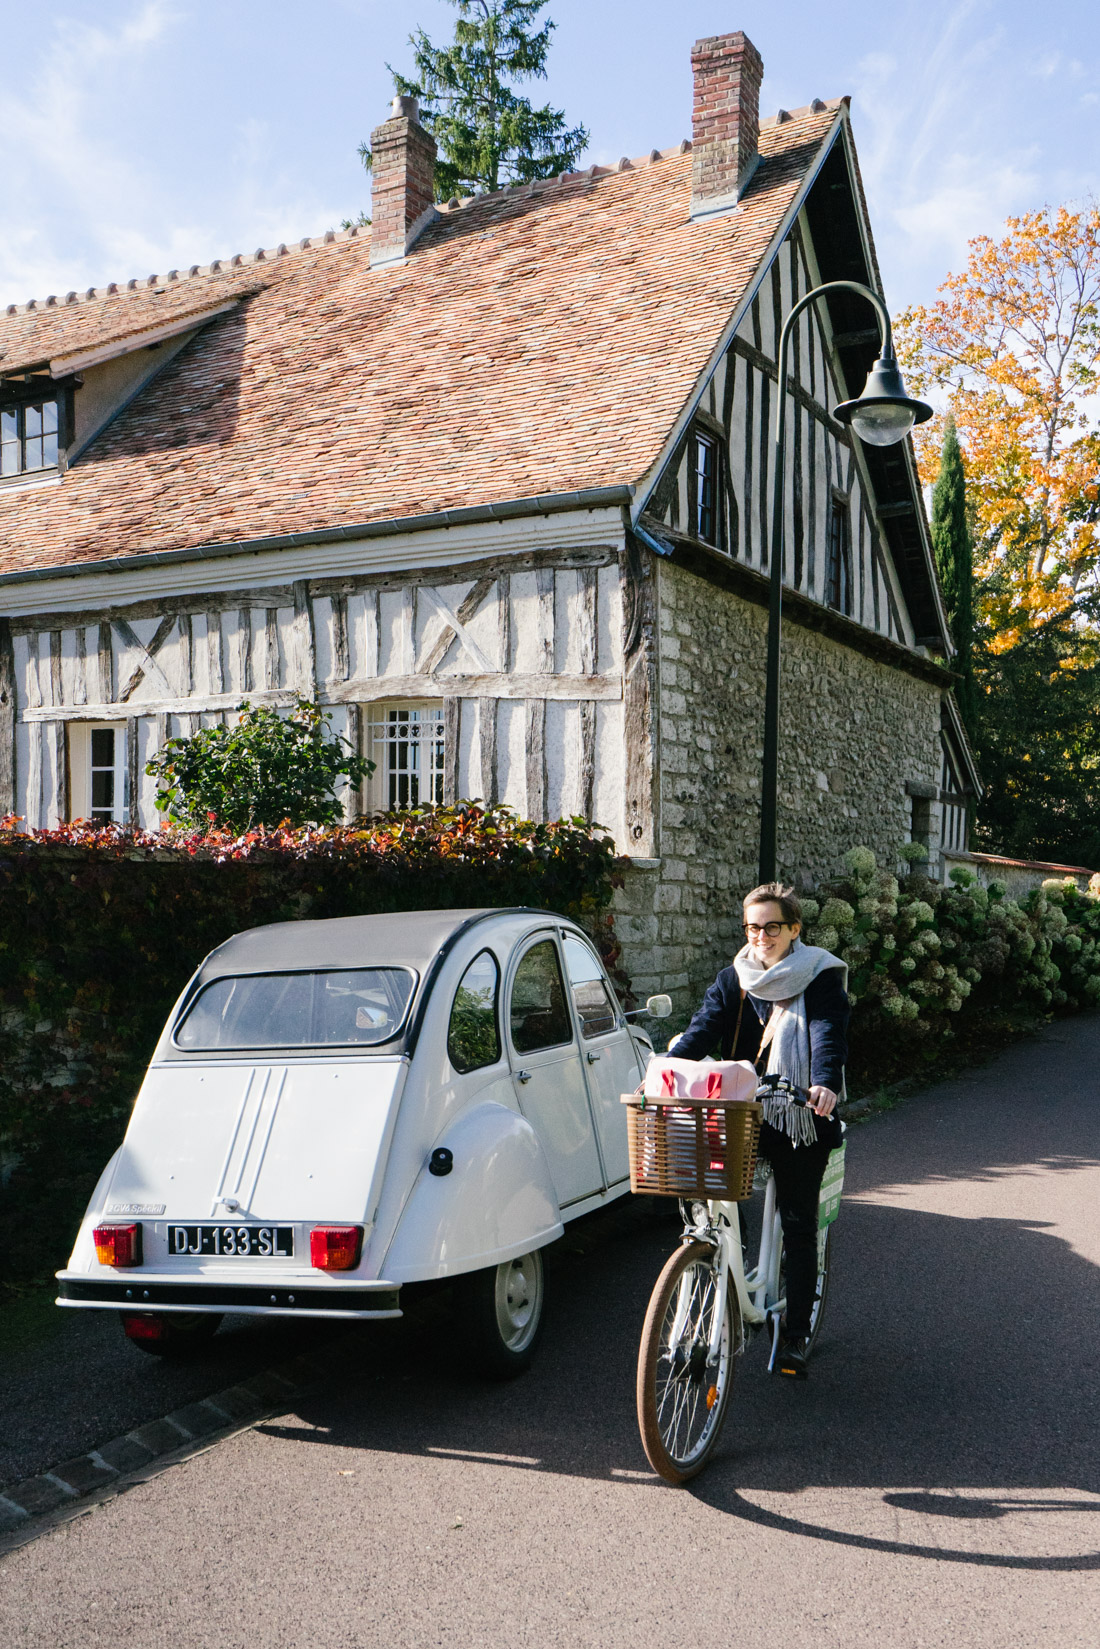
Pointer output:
x,y
240,1242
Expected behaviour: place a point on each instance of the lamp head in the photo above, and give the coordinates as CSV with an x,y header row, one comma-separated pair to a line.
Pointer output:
x,y
883,414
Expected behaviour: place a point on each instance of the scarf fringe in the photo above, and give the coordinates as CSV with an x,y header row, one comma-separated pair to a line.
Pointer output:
x,y
796,1121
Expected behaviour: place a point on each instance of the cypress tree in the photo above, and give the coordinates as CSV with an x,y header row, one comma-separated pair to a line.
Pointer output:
x,y
954,553
487,134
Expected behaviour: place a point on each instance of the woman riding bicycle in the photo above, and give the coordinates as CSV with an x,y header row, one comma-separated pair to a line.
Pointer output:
x,y
789,1000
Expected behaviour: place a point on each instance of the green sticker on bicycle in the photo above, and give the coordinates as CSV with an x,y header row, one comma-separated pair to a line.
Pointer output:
x,y
828,1204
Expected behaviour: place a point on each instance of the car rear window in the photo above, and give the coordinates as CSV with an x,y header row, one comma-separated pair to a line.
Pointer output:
x,y
356,1007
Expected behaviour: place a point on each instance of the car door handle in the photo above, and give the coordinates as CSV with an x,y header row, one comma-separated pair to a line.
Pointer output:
x,y
592,1058
523,1076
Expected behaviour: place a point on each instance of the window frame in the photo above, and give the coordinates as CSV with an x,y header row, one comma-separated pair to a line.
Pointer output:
x,y
81,772
18,396
571,1041
469,1070
292,1048
379,787
601,978
703,439
838,554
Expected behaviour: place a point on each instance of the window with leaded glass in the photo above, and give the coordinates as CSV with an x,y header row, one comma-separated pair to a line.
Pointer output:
x,y
28,437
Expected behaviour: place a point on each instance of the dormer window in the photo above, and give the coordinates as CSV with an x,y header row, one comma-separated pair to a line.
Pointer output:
x,y
28,437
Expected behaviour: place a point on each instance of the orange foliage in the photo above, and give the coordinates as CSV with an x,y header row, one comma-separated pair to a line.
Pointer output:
x,y
1013,347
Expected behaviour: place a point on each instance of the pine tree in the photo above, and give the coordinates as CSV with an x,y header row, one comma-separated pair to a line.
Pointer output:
x,y
953,548
487,134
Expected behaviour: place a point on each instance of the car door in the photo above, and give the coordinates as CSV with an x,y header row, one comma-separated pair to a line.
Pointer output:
x,y
547,1070
611,1062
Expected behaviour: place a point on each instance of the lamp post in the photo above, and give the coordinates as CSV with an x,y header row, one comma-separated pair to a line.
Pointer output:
x,y
882,416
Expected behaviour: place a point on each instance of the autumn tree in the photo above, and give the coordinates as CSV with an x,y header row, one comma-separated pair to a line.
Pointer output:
x,y
955,563
1013,346
488,135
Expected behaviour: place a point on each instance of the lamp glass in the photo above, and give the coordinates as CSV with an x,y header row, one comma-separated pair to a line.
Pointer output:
x,y
882,423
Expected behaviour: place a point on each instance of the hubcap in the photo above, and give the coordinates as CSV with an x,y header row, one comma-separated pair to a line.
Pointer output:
x,y
519,1300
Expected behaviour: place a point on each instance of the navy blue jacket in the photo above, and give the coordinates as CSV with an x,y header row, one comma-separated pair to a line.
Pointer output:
x,y
827,1011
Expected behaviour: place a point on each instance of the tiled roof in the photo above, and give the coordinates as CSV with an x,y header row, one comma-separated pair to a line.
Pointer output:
x,y
538,340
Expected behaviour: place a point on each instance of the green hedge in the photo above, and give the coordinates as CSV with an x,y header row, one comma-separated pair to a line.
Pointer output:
x,y
931,965
100,930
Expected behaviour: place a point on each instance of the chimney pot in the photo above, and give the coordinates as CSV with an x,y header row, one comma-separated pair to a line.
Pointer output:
x,y
403,168
727,71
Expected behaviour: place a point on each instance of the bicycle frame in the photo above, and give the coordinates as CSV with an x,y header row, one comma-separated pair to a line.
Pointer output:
x,y
757,1290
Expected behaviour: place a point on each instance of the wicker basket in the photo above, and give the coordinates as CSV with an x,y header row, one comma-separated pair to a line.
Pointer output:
x,y
694,1148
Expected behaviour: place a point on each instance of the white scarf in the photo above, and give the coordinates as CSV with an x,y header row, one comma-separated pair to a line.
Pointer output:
x,y
788,1043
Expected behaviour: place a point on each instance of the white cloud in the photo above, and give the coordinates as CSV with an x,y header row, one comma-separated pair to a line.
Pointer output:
x,y
87,204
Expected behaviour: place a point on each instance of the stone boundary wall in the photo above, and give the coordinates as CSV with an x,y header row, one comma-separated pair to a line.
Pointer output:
x,y
1017,876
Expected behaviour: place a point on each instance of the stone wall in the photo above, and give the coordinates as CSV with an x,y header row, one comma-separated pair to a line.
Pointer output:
x,y
1017,876
854,731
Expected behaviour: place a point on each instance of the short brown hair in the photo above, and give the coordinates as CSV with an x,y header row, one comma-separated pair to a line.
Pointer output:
x,y
775,893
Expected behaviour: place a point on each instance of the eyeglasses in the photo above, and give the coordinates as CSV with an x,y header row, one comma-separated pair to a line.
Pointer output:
x,y
772,929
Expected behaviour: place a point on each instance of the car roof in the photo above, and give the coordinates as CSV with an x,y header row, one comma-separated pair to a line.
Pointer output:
x,y
404,938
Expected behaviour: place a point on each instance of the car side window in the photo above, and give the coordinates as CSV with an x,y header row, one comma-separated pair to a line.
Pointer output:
x,y
591,995
473,1035
539,1015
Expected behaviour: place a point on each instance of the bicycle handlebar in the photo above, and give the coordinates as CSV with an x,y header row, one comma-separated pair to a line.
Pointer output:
x,y
783,1085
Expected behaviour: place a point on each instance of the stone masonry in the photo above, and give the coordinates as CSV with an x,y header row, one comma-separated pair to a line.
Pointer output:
x,y
854,731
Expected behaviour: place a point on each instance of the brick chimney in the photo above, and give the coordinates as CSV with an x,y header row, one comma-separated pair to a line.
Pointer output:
x,y
725,121
403,172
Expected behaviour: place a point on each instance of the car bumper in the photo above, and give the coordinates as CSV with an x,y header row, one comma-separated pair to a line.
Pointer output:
x,y
379,1300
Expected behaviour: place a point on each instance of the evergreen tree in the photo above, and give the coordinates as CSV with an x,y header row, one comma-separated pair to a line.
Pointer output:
x,y
953,548
487,134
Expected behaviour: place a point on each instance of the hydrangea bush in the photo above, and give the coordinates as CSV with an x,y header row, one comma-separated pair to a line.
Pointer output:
x,y
921,954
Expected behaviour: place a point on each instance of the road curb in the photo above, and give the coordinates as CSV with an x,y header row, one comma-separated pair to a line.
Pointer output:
x,y
75,1487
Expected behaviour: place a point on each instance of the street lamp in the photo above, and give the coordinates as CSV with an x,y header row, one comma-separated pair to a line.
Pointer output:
x,y
882,416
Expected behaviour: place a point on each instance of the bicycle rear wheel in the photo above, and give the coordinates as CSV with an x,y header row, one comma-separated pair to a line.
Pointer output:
x,y
682,1395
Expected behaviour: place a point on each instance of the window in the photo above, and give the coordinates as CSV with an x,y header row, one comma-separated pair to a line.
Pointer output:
x,y
592,997
357,1006
473,1036
406,743
838,578
97,767
28,438
705,465
539,1016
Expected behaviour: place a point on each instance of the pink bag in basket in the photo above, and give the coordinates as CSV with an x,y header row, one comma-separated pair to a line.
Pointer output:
x,y
669,1078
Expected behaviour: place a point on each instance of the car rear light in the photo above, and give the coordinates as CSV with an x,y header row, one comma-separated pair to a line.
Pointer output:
x,y
117,1244
335,1247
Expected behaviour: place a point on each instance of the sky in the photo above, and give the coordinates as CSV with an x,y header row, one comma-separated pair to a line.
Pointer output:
x,y
144,135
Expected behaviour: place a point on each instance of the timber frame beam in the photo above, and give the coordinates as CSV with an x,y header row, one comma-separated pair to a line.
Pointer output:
x,y
752,585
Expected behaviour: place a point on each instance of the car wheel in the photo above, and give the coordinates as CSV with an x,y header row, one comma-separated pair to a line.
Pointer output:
x,y
170,1334
499,1315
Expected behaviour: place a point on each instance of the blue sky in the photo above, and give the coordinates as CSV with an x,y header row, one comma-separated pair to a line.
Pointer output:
x,y
143,135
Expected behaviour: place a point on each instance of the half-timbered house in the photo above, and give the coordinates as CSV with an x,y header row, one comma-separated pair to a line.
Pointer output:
x,y
492,481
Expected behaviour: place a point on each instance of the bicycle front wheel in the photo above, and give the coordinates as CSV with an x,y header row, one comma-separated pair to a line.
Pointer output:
x,y
682,1391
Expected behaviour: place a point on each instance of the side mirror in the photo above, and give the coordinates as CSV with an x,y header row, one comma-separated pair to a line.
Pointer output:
x,y
660,1007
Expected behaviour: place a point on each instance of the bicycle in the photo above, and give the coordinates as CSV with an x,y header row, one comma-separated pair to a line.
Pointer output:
x,y
697,1323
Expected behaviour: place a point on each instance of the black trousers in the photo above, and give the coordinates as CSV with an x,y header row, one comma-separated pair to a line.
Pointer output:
x,y
798,1172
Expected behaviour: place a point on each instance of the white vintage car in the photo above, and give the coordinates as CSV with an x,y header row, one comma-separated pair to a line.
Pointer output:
x,y
338,1108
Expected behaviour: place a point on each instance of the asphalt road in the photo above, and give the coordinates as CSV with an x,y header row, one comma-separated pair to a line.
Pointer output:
x,y
936,1481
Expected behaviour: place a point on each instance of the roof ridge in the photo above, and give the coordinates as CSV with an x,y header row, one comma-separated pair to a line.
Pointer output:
x,y
217,266
308,243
